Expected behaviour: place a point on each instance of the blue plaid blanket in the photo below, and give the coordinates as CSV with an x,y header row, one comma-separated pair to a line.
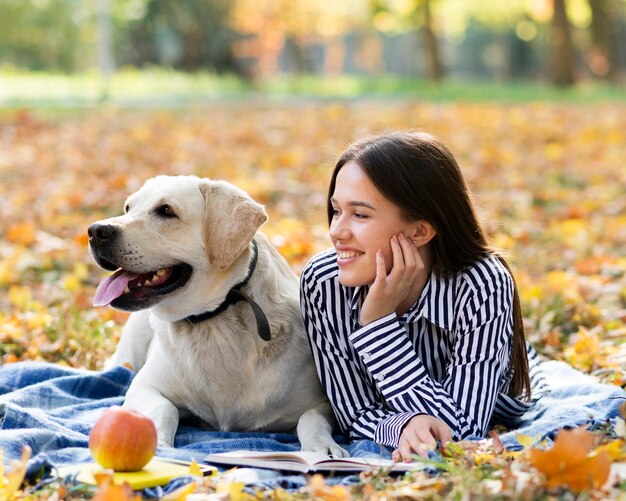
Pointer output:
x,y
53,408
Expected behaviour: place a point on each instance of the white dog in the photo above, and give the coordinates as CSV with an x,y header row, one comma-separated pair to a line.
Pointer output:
x,y
217,330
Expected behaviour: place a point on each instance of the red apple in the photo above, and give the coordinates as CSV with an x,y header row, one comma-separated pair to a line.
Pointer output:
x,y
123,439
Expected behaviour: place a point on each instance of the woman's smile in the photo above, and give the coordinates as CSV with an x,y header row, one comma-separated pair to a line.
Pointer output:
x,y
346,257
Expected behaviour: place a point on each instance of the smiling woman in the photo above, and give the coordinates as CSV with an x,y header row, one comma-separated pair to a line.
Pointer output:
x,y
413,319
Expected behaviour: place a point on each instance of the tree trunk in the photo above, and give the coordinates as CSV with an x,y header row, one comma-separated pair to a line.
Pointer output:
x,y
562,48
434,68
602,58
299,56
106,62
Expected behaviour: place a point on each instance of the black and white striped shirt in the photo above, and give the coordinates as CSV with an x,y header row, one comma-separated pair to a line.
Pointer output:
x,y
447,356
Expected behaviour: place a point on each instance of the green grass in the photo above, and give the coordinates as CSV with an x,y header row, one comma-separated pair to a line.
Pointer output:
x,y
161,87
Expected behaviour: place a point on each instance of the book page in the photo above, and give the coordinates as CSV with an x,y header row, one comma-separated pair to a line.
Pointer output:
x,y
305,461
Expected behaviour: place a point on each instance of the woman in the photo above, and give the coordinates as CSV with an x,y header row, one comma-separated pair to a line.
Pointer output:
x,y
413,320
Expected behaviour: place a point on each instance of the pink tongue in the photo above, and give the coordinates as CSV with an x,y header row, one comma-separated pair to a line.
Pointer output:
x,y
112,287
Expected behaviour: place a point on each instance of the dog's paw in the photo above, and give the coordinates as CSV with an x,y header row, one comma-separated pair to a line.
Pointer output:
x,y
330,449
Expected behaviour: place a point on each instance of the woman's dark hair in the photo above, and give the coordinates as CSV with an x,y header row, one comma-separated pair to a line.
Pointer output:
x,y
421,176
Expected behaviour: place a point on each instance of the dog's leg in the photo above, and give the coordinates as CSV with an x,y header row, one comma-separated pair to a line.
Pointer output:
x,y
146,398
132,349
315,432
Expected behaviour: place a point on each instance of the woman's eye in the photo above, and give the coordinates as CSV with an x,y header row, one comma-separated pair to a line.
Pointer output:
x,y
335,212
165,211
358,215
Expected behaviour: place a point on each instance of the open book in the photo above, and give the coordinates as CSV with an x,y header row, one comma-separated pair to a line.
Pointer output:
x,y
306,461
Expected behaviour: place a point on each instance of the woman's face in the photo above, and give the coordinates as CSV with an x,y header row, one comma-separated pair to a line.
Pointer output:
x,y
363,222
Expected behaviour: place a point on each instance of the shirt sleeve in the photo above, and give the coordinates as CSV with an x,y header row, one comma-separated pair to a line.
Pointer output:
x,y
357,403
466,397
402,387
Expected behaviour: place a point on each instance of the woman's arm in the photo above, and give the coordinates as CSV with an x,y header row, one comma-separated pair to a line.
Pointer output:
x,y
466,397
358,405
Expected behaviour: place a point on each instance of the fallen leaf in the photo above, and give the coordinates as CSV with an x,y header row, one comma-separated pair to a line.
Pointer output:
x,y
318,489
569,462
526,441
21,233
11,480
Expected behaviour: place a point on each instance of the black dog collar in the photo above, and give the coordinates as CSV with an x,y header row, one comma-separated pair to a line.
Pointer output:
x,y
235,296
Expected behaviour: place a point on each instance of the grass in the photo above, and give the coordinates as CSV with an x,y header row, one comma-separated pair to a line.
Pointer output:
x,y
161,87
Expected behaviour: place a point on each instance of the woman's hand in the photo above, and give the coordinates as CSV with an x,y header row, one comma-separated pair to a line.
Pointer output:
x,y
389,291
419,436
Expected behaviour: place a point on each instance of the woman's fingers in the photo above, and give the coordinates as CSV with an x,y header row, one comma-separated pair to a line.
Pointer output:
x,y
397,267
408,447
415,440
409,252
442,431
381,269
419,436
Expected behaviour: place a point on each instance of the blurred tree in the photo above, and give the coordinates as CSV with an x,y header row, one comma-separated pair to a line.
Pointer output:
x,y
434,67
602,57
106,61
188,35
412,15
46,34
561,46
274,28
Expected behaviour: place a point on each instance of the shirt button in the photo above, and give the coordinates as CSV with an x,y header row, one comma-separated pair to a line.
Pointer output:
x,y
366,357
380,377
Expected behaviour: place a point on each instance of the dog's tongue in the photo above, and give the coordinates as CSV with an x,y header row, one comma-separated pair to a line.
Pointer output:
x,y
112,287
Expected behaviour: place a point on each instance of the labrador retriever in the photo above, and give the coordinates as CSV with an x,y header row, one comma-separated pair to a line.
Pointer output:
x,y
216,329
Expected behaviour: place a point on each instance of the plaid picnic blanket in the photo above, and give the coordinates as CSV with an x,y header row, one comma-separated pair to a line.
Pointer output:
x,y
53,408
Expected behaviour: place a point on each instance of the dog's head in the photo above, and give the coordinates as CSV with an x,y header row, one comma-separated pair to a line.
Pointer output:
x,y
175,245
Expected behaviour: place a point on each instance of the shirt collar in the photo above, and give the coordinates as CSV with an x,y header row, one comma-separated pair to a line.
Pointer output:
x,y
424,307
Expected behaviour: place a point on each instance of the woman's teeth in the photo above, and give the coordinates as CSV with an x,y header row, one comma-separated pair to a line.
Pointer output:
x,y
348,255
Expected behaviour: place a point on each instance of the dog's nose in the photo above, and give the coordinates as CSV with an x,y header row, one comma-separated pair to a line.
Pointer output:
x,y
101,232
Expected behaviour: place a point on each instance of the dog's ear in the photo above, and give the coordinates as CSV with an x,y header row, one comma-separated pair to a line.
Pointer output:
x,y
231,219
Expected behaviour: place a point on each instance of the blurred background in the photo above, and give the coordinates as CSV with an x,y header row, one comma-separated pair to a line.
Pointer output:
x,y
96,96
359,45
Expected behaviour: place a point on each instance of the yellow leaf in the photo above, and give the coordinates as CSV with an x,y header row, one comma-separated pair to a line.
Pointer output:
x,y
526,441
11,480
20,296
234,491
180,493
614,449
71,282
194,469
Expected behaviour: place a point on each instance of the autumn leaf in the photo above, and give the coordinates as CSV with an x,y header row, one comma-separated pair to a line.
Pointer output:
x,y
234,490
570,462
21,233
180,493
110,491
194,468
526,441
614,448
11,479
319,490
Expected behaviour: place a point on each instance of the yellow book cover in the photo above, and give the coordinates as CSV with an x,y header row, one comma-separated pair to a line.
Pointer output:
x,y
158,471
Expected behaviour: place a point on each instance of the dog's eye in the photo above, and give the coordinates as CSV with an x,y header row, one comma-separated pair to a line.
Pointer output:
x,y
165,211
126,208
